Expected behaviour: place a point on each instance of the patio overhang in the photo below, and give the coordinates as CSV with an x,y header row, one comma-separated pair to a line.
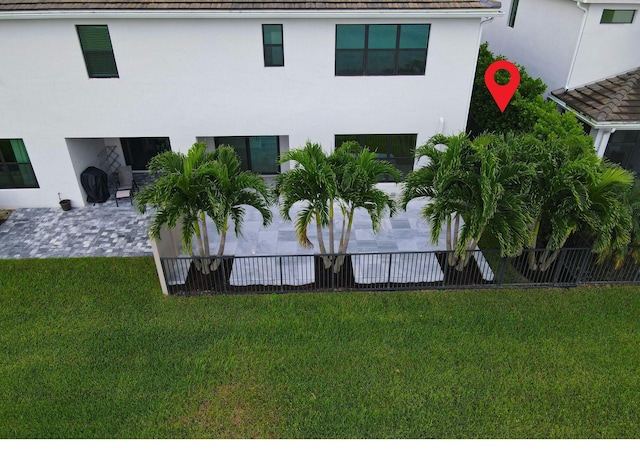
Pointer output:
x,y
611,103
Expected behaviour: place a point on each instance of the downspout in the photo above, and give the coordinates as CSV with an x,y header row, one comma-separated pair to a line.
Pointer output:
x,y
575,53
466,119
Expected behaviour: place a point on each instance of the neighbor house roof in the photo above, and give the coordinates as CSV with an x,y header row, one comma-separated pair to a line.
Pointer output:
x,y
31,5
615,99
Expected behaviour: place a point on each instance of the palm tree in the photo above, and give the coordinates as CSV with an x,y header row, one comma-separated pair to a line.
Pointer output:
x,y
444,182
313,182
199,184
347,177
477,183
233,189
609,220
564,174
181,195
357,172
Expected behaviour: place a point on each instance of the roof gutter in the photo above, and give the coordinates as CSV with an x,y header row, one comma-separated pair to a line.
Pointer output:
x,y
619,125
251,14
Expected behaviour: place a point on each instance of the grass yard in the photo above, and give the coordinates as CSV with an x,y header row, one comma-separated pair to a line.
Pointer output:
x,y
90,348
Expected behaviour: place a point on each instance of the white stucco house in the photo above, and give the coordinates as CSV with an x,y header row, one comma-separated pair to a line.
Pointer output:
x,y
82,82
588,54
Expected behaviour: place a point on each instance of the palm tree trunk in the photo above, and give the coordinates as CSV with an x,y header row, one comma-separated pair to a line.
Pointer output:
x,y
344,244
331,239
200,264
205,234
546,260
345,213
456,230
450,256
323,250
223,240
535,227
462,263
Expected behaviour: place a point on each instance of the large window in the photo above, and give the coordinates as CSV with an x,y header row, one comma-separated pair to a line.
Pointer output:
x,y
512,13
97,51
138,151
617,16
381,49
15,167
273,46
259,154
396,149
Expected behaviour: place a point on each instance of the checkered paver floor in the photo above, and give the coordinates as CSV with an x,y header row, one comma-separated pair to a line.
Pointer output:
x,y
107,230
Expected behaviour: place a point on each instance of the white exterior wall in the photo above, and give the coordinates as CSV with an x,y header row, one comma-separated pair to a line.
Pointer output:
x,y
607,49
547,33
543,39
188,78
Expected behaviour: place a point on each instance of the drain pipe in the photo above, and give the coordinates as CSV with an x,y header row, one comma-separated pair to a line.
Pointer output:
x,y
575,53
466,119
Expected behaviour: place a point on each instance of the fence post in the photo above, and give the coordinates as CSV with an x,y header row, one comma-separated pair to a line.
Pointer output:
x,y
503,264
389,272
559,266
635,278
224,275
585,259
281,277
333,273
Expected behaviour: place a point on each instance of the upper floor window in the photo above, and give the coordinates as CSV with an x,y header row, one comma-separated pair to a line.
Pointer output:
x,y
617,16
97,51
396,149
273,47
381,49
512,13
15,167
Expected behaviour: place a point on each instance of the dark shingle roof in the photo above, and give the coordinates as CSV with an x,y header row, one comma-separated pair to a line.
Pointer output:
x,y
32,5
612,99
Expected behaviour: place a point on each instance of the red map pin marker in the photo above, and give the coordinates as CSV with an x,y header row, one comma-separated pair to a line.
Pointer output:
x,y
502,94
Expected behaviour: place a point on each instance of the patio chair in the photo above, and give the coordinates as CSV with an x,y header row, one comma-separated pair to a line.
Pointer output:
x,y
126,186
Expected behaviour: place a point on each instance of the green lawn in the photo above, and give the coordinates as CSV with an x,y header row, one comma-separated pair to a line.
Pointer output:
x,y
91,348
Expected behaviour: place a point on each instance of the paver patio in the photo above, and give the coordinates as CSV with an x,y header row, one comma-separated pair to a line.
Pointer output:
x,y
107,230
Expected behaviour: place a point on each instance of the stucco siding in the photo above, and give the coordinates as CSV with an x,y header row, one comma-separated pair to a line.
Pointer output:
x,y
543,38
183,79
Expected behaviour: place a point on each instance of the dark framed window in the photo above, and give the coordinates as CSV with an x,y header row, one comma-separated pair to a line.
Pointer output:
x,y
396,149
273,45
15,166
138,151
617,16
381,49
259,154
512,13
97,50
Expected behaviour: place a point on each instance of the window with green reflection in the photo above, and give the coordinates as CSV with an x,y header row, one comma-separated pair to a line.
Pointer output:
x,y
396,149
15,166
97,50
617,16
381,49
273,45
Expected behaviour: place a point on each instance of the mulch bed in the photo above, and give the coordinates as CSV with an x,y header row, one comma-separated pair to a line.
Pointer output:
x,y
217,281
470,275
521,264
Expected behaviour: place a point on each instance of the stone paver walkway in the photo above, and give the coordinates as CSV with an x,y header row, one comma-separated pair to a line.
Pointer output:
x,y
100,230
107,230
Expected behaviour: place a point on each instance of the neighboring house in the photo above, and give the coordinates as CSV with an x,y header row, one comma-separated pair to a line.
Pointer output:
x,y
588,54
98,82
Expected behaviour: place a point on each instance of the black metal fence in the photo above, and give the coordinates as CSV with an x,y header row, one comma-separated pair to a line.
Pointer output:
x,y
392,271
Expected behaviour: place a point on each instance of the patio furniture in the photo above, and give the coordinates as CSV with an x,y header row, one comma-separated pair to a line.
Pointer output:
x,y
126,186
95,184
